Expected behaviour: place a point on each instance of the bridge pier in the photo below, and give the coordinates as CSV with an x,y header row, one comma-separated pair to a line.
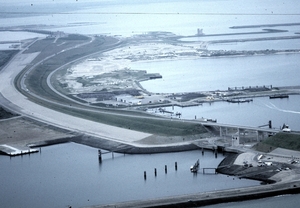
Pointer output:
x,y
242,134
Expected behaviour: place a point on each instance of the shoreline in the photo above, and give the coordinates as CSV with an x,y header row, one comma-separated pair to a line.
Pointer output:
x,y
216,197
130,147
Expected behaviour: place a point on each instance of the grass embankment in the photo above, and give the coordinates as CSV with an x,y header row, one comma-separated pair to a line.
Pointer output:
x,y
5,56
283,140
135,121
36,83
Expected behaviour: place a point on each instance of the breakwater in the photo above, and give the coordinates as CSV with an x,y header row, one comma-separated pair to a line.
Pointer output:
x,y
216,197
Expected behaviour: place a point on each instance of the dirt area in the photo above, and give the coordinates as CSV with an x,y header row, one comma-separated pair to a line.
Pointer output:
x,y
108,80
20,131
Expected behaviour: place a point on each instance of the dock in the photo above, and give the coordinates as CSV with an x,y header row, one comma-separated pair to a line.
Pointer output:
x,y
14,151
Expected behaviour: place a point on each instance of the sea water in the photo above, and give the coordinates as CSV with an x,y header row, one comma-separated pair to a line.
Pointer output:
x,y
71,175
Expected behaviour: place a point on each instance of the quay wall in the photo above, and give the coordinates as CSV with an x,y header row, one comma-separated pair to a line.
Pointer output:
x,y
120,147
216,197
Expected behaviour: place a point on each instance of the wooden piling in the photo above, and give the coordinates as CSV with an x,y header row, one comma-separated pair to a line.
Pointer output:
x,y
166,169
155,172
175,165
100,155
145,175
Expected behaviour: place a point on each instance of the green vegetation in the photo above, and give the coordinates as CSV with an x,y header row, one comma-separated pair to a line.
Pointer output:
x,y
283,140
135,121
36,82
5,56
75,37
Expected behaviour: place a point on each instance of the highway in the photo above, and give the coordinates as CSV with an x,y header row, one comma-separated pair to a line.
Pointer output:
x,y
44,103
17,102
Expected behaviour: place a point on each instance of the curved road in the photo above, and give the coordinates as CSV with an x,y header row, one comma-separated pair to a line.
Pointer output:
x,y
12,99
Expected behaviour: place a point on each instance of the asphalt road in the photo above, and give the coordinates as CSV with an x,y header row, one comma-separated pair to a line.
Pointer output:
x,y
14,100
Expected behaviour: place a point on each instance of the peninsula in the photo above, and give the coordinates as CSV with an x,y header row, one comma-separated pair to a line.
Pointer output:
x,y
72,88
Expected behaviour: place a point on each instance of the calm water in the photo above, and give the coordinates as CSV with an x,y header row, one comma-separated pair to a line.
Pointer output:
x,y
255,113
135,17
206,74
70,174
257,45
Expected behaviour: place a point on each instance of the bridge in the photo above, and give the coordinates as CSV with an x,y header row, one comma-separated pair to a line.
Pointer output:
x,y
237,132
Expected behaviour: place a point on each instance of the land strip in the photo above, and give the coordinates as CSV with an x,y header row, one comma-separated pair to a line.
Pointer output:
x,y
215,197
96,133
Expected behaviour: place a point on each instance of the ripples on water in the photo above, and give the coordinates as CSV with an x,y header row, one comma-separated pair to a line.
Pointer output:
x,y
70,174
256,113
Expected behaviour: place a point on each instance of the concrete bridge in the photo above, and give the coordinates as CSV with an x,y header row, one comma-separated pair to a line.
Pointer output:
x,y
243,133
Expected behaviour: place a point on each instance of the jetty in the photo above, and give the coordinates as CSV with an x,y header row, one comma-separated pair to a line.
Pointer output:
x,y
239,100
14,151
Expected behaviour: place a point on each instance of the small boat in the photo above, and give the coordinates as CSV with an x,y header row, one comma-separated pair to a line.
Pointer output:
x,y
285,128
239,100
279,96
195,167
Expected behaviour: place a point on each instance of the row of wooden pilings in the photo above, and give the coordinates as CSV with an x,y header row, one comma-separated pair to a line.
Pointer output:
x,y
100,153
155,171
215,151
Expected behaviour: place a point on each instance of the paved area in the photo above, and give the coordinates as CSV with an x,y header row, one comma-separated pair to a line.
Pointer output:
x,y
17,102
209,198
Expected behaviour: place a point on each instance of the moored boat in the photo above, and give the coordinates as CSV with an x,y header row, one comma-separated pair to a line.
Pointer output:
x,y
195,167
279,96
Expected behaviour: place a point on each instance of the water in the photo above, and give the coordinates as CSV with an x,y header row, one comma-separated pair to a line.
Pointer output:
x,y
205,74
136,17
70,174
258,45
255,113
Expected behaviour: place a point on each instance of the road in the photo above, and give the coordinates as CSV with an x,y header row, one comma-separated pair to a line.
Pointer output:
x,y
12,99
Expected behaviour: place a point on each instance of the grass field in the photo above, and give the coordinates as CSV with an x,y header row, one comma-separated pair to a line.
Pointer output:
x,y
283,140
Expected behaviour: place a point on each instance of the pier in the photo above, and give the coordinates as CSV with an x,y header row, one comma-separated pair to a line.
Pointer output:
x,y
251,88
14,151
209,169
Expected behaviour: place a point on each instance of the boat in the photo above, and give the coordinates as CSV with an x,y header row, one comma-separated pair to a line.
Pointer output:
x,y
195,167
239,100
279,96
285,128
